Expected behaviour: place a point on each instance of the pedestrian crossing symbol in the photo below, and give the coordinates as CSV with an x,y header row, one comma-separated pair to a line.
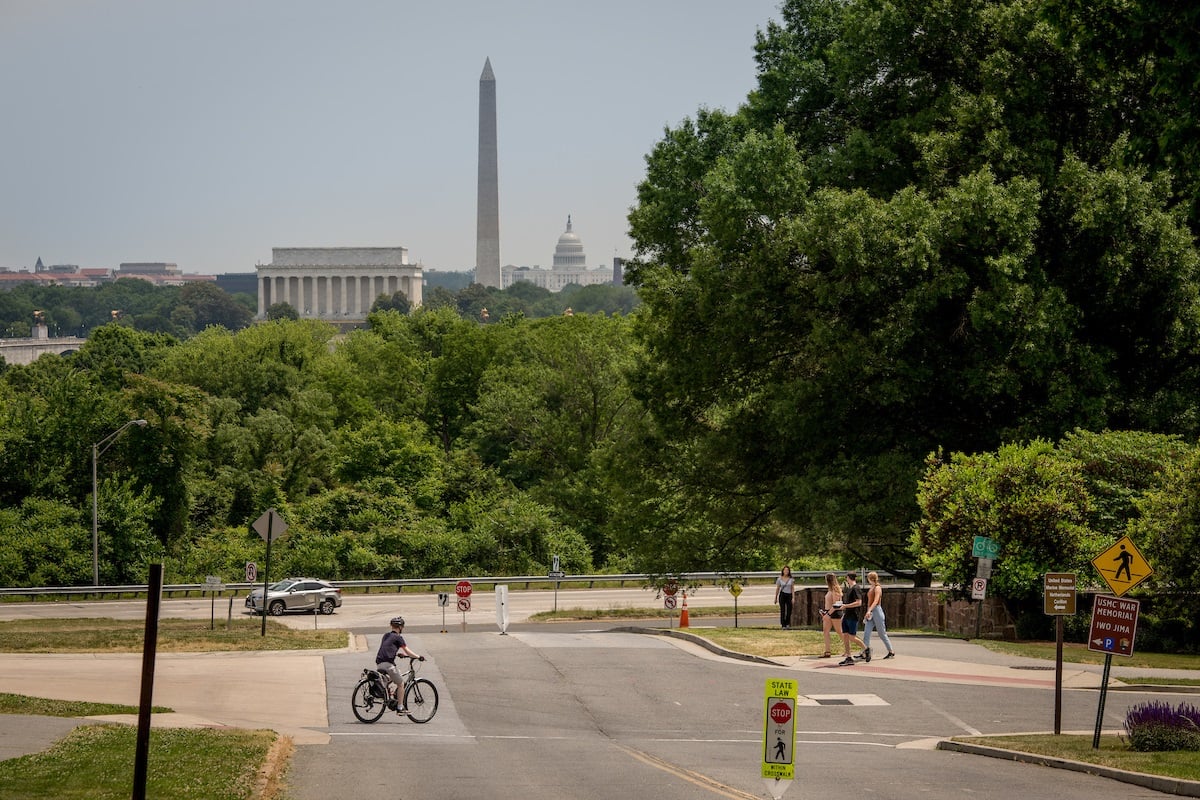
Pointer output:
x,y
1122,566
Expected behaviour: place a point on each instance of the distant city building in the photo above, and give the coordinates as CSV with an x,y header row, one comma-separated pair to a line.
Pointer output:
x,y
160,273
569,267
337,284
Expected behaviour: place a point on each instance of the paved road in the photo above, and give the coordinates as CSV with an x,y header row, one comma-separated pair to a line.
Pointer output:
x,y
372,611
536,715
576,710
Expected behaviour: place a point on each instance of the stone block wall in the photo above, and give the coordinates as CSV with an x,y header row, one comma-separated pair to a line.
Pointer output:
x,y
927,609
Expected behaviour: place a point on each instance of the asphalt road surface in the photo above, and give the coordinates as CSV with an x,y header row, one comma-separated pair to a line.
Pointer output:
x,y
371,611
535,715
583,711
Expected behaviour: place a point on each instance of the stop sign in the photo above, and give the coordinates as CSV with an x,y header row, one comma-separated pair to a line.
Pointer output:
x,y
463,589
781,713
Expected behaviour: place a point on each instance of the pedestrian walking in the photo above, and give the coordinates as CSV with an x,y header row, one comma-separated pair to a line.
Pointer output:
x,y
852,602
874,619
785,587
831,613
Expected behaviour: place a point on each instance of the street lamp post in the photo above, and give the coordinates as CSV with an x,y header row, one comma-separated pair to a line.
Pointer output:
x,y
97,449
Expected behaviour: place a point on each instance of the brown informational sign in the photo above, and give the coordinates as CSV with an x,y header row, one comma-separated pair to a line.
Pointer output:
x,y
1114,624
1059,593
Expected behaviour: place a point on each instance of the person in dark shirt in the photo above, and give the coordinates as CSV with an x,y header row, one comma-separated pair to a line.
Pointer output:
x,y
393,644
852,602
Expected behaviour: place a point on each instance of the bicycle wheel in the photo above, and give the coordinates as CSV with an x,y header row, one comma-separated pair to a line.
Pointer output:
x,y
421,698
367,707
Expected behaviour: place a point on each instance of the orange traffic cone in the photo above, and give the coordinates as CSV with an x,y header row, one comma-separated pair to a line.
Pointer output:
x,y
683,615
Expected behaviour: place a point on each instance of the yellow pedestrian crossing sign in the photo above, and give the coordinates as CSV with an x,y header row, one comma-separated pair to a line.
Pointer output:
x,y
779,729
1122,566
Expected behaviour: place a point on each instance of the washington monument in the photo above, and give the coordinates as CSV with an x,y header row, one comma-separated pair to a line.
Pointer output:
x,y
487,234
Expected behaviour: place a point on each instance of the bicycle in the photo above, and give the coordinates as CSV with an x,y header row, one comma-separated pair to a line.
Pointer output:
x,y
371,697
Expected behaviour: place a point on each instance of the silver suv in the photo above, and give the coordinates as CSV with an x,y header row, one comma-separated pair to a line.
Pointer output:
x,y
296,594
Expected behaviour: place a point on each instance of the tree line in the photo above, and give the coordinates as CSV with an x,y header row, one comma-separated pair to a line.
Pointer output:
x,y
183,311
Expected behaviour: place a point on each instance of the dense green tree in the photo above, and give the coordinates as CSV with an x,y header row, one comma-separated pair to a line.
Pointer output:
x,y
211,305
924,229
113,350
1030,500
396,301
1167,529
282,311
257,366
401,451
1119,468
438,297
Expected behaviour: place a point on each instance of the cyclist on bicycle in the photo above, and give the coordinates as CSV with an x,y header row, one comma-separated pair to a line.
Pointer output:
x,y
392,645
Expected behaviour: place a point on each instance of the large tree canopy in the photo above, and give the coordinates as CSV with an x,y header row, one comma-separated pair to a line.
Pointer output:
x,y
931,225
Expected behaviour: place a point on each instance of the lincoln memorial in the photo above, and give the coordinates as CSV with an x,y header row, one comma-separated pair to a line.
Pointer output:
x,y
338,284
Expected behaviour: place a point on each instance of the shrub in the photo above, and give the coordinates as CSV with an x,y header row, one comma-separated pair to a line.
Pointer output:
x,y
1156,726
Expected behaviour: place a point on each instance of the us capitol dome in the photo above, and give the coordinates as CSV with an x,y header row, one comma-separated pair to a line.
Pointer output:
x,y
569,266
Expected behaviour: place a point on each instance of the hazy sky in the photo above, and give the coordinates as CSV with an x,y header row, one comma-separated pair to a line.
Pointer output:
x,y
206,132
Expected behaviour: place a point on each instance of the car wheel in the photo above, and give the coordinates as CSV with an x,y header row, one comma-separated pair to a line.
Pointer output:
x,y
277,608
326,606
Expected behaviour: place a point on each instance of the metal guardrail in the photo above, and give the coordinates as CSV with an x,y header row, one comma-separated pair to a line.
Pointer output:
x,y
691,579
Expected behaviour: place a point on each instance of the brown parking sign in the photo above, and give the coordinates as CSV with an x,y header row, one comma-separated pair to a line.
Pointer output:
x,y
1114,625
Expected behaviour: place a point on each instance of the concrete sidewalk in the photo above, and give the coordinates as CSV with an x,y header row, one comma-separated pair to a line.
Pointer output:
x,y
942,660
282,691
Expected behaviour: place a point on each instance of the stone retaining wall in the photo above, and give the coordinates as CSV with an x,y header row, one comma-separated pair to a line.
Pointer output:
x,y
920,608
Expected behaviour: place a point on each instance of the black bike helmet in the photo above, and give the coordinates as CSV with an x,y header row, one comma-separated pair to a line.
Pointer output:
x,y
398,621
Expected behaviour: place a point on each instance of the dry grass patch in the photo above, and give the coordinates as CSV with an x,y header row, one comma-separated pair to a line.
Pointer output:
x,y
767,642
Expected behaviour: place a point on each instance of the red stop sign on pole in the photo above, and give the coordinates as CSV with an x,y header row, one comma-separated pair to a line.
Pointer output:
x,y
463,589
781,713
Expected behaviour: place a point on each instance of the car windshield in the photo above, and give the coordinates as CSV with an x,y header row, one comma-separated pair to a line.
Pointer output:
x,y
283,586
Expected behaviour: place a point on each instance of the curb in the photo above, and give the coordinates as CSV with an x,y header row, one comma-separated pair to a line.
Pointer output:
x,y
697,640
1155,687
1177,786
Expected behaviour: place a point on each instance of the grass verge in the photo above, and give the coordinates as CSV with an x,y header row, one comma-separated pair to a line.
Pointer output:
x,y
96,762
1113,752
43,707
174,636
1079,654
769,642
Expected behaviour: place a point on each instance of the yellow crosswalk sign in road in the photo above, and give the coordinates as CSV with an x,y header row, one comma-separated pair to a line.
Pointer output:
x,y
1122,566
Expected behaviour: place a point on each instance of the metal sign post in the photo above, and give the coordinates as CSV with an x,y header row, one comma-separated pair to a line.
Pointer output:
x,y
1114,626
269,525
212,585
463,590
1058,600
557,574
